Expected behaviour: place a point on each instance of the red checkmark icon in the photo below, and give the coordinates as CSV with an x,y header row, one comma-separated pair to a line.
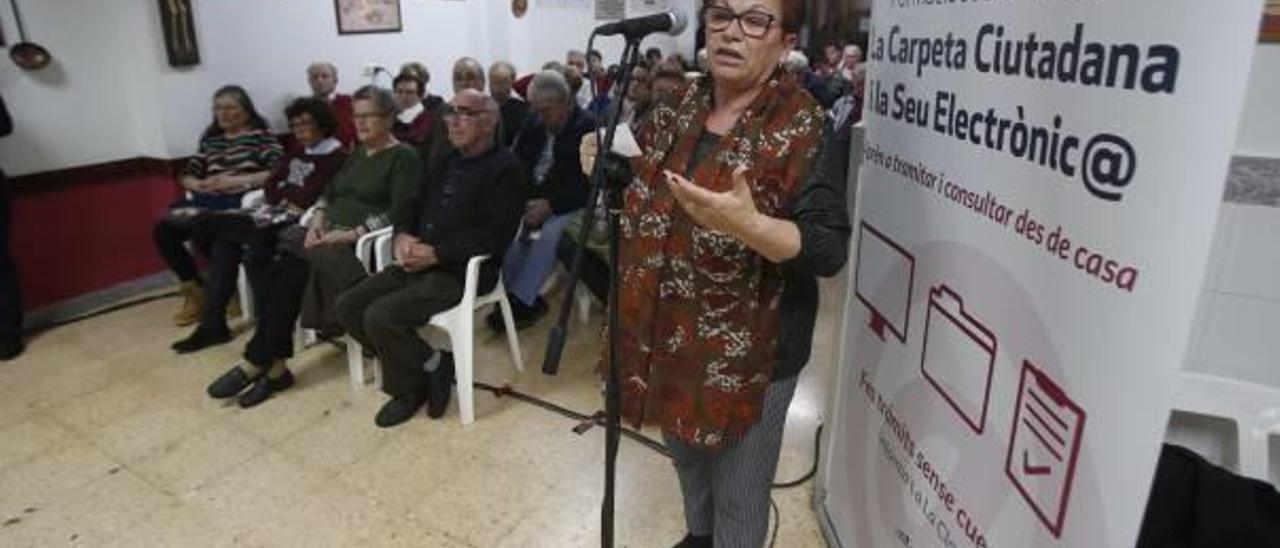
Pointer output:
x,y
1033,470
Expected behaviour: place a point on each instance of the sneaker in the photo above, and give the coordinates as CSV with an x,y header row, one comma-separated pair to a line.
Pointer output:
x,y
201,339
399,409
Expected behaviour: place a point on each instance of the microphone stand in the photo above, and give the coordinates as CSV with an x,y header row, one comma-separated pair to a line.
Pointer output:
x,y
612,199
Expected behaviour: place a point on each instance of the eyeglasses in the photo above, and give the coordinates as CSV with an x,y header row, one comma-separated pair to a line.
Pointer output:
x,y
461,114
754,23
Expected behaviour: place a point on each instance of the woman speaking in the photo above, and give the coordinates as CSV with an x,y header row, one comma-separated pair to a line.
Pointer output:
x,y
732,213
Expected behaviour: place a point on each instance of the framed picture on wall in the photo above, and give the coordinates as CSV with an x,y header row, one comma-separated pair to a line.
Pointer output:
x,y
1270,31
366,16
179,33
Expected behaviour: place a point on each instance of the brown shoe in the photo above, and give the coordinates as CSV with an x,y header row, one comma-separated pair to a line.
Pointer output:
x,y
192,304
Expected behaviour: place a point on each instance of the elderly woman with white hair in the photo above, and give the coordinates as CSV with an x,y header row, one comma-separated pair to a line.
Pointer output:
x,y
548,148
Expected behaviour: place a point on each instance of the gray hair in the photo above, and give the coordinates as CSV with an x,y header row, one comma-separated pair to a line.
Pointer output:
x,y
504,66
380,97
551,85
795,62
323,65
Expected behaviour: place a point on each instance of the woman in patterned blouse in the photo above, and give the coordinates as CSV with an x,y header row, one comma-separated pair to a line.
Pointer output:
x,y
237,154
734,209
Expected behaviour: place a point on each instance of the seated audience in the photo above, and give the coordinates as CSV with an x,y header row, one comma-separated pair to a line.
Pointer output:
x,y
852,59
237,153
374,189
548,148
514,109
471,206
667,78
420,72
250,234
323,79
468,74
796,66
639,97
581,93
413,121
597,73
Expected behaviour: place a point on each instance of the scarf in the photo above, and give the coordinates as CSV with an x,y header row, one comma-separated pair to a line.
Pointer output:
x,y
699,308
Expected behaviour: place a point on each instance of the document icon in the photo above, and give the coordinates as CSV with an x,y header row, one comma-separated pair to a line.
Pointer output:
x,y
959,356
1044,446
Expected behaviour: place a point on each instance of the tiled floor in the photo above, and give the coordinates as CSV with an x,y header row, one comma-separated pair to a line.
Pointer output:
x,y
107,440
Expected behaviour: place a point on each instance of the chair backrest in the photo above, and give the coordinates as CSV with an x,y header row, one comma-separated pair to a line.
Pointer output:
x,y
1205,404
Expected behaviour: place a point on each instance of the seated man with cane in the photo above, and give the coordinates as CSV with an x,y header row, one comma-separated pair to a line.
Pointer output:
x,y
471,206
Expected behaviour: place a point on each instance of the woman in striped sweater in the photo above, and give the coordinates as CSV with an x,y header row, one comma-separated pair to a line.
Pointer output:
x,y
237,154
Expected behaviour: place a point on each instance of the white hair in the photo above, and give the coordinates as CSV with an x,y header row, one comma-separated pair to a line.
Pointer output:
x,y
794,62
550,84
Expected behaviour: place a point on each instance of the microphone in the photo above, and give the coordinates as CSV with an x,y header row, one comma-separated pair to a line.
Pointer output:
x,y
672,21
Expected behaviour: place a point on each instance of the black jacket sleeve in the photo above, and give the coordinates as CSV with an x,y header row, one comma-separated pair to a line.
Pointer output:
x,y
820,212
492,233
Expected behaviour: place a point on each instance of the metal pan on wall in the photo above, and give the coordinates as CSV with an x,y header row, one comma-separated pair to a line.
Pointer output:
x,y
25,54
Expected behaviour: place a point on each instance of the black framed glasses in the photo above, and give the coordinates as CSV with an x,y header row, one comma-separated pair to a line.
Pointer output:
x,y
753,23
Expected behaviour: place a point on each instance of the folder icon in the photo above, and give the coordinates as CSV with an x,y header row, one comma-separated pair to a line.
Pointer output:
x,y
959,357
1044,446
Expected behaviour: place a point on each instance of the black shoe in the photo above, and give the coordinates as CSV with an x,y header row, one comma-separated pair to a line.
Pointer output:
x,y
265,387
399,409
691,541
11,349
440,386
230,384
202,339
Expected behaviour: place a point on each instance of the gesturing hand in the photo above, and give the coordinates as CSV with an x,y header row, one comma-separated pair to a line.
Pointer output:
x,y
733,211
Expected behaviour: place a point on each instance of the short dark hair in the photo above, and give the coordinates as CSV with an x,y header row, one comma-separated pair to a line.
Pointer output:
x,y
319,110
407,77
651,52
595,53
794,12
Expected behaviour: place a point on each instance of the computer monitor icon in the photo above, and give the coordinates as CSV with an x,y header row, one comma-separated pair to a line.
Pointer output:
x,y
883,281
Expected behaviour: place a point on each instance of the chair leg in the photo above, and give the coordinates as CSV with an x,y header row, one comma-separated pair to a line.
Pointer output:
x,y
355,364
513,341
246,295
582,298
462,337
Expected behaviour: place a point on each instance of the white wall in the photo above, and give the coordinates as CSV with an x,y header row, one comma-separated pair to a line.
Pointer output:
x,y
111,95
1259,133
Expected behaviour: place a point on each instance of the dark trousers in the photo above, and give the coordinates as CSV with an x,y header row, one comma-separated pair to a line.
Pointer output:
x,y
286,279
384,313
171,235
10,298
234,240
594,271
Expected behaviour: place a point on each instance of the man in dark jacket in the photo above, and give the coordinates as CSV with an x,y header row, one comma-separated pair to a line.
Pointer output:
x,y
548,148
471,206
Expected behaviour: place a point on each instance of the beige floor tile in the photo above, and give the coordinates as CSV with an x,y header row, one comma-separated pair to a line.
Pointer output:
x,y
96,409
36,483
145,432
175,526
190,463
95,514
28,439
256,490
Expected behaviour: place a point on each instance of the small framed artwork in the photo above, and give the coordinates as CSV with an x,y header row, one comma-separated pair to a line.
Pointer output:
x,y
179,33
367,16
1270,29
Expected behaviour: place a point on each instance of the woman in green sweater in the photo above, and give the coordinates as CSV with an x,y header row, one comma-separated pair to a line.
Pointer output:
x,y
375,188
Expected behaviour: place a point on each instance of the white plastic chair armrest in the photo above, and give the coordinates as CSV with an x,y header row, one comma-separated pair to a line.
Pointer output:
x,y
383,251
305,219
364,246
253,198
472,282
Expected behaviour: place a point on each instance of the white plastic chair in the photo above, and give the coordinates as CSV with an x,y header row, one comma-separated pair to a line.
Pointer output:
x,y
369,253
1255,410
459,324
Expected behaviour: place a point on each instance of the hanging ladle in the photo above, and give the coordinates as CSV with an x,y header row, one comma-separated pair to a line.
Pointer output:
x,y
28,55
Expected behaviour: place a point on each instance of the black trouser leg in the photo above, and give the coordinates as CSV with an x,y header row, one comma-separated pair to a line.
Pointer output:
x,y
593,271
10,298
224,272
273,338
170,237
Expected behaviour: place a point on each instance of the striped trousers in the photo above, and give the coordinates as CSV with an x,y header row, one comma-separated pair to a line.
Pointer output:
x,y
726,492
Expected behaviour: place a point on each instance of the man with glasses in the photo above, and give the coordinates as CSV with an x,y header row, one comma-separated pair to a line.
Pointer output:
x,y
548,148
470,206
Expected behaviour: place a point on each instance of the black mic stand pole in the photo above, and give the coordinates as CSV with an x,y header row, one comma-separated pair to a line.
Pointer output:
x,y
613,206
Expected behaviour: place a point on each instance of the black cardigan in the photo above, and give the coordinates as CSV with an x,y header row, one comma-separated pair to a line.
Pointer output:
x,y
470,207
564,186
